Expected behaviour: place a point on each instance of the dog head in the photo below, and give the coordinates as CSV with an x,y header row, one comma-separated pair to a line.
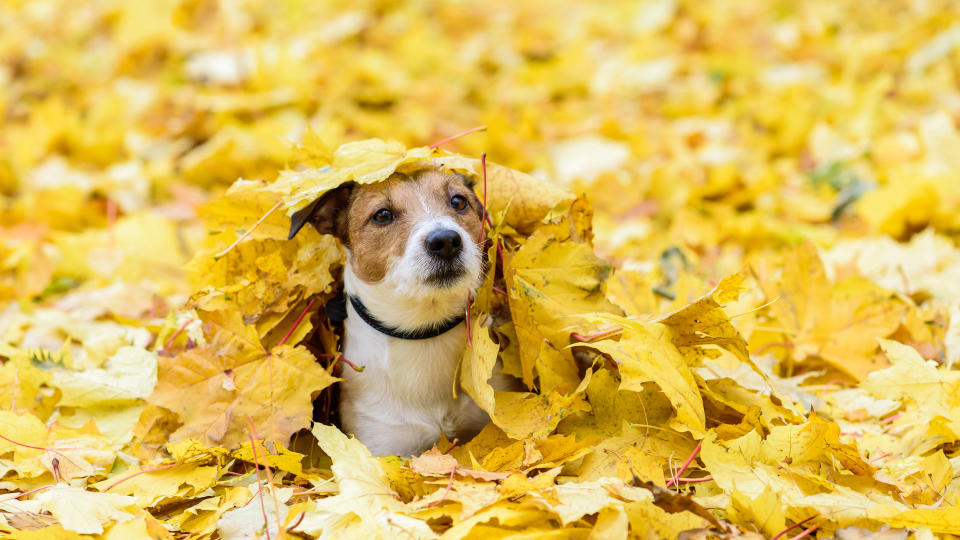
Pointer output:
x,y
414,236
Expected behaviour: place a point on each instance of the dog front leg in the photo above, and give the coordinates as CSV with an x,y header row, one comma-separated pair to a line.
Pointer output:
x,y
393,439
464,419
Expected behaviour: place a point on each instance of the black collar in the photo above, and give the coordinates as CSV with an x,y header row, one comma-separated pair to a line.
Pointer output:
x,y
423,333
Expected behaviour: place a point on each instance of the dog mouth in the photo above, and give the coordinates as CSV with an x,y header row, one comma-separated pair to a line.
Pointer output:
x,y
445,274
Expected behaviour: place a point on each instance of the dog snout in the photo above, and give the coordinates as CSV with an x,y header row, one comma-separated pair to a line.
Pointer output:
x,y
444,244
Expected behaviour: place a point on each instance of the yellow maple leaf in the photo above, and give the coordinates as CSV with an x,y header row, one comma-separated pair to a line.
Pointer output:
x,y
149,488
912,378
646,353
141,526
551,279
243,205
937,520
364,162
128,375
202,517
282,458
764,511
365,505
523,199
21,380
28,430
267,514
265,277
84,511
239,378
839,321
703,323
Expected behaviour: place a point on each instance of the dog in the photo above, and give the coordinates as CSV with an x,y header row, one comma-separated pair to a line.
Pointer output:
x,y
414,259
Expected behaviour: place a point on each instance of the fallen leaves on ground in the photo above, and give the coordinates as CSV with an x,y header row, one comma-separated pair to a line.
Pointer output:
x,y
722,245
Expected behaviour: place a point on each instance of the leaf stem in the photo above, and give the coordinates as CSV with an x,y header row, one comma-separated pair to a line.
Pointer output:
x,y
299,519
297,322
695,480
686,464
263,505
44,448
138,473
792,527
453,445
34,490
889,419
446,491
806,532
273,492
469,304
484,219
589,338
247,233
457,136
269,471
353,366
166,344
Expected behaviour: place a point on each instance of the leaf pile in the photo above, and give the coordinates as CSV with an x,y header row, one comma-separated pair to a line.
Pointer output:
x,y
728,282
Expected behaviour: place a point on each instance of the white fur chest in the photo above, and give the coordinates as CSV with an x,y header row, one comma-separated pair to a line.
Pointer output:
x,y
416,372
403,399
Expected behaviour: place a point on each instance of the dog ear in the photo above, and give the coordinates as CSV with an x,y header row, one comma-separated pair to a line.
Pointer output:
x,y
323,213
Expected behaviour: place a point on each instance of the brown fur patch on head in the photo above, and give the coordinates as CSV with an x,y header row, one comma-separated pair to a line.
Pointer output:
x,y
411,198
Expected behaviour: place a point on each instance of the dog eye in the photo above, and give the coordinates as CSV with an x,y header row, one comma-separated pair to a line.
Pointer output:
x,y
458,202
383,216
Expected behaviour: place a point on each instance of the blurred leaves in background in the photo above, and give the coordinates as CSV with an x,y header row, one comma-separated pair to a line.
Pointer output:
x,y
809,150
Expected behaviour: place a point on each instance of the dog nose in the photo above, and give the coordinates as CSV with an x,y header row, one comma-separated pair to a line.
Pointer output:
x,y
445,244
